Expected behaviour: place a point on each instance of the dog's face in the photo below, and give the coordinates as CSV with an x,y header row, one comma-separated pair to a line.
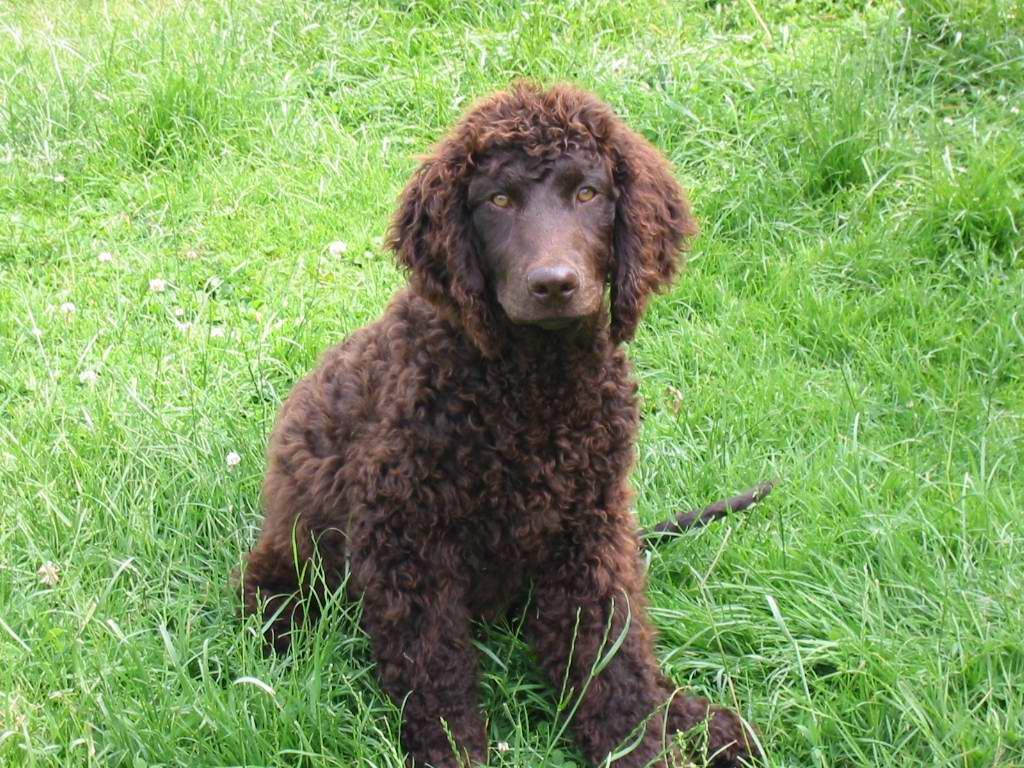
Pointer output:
x,y
533,204
543,231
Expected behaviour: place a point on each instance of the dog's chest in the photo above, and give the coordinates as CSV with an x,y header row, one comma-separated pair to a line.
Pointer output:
x,y
536,470
534,482
537,450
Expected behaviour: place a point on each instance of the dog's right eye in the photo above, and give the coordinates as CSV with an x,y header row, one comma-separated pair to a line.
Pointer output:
x,y
501,200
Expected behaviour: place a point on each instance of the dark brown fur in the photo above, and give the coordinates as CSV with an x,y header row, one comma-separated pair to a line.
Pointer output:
x,y
451,460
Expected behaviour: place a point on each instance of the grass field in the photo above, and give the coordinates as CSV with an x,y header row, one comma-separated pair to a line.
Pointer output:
x,y
171,177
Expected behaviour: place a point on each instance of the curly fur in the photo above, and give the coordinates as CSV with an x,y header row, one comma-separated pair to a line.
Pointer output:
x,y
450,462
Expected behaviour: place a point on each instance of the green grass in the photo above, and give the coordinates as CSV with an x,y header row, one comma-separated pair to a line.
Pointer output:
x,y
851,321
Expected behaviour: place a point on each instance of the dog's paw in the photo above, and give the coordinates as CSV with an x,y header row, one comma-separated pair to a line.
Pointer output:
x,y
730,743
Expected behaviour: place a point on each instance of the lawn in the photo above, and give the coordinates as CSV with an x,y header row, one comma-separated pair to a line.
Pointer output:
x,y
192,201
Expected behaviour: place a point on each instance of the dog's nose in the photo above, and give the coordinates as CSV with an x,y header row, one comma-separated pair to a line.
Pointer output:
x,y
552,284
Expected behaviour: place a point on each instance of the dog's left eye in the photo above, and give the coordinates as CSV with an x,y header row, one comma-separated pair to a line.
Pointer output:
x,y
586,194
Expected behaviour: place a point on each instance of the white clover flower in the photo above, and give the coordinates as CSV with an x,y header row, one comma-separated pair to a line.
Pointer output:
x,y
184,327
503,746
158,285
37,332
59,178
232,460
105,257
68,308
178,311
89,377
191,254
217,332
49,574
337,248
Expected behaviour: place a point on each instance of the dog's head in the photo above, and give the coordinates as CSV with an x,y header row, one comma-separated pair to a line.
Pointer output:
x,y
534,202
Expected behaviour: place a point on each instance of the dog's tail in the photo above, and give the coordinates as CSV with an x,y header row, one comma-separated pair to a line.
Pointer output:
x,y
698,518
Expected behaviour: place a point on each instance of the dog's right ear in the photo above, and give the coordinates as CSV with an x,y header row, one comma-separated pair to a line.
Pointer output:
x,y
430,236
418,235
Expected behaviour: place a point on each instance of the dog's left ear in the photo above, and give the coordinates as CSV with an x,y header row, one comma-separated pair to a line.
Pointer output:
x,y
652,225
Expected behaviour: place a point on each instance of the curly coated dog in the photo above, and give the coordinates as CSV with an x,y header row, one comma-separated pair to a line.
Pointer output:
x,y
473,446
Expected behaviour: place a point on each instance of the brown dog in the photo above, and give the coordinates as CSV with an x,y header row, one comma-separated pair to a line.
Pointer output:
x,y
474,444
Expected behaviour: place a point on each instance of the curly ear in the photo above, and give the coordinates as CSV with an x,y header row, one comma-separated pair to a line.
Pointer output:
x,y
430,236
652,224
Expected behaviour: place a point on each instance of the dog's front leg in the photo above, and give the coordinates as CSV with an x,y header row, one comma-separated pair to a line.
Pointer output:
x,y
588,623
415,614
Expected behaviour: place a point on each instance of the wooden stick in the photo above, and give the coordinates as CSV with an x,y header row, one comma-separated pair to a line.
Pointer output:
x,y
698,518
